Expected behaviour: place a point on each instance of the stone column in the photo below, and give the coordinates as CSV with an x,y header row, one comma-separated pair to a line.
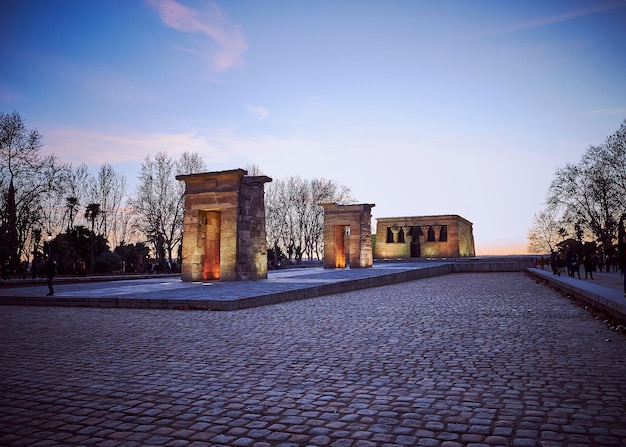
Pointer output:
x,y
395,231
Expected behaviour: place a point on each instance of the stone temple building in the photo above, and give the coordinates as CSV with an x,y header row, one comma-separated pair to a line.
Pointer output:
x,y
445,236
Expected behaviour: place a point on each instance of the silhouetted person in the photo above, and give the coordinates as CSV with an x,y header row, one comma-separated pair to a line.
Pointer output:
x,y
568,265
554,263
575,266
51,271
588,263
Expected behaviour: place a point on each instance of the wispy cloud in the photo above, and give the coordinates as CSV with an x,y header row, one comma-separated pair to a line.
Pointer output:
x,y
228,41
567,16
258,111
97,147
218,146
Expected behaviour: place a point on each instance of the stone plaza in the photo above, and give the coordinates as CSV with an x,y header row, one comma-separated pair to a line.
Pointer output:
x,y
463,359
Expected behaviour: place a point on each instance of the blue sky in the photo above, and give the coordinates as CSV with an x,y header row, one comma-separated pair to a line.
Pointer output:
x,y
421,108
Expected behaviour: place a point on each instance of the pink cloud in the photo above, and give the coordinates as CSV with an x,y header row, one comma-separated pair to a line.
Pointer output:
x,y
213,22
94,147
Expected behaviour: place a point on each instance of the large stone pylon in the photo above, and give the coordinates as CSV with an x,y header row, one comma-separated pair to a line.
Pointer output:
x,y
224,226
347,235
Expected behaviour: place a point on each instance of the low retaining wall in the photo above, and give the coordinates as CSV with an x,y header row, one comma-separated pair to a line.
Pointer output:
x,y
493,264
483,264
604,298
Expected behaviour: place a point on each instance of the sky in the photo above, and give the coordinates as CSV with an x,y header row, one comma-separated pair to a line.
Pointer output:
x,y
419,107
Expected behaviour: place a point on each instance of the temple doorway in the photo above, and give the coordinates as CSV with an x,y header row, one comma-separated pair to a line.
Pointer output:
x,y
415,248
340,247
211,263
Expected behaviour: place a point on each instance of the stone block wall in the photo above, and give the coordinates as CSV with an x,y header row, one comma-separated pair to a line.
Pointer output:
x,y
355,249
224,226
410,237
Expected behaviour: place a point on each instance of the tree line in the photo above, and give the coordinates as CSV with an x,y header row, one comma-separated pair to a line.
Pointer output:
x,y
48,206
585,205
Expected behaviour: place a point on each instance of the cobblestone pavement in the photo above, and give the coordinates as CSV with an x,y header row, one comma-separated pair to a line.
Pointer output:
x,y
491,359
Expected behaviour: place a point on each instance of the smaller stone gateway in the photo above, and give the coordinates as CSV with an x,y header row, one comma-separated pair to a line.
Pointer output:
x,y
224,226
347,235
444,236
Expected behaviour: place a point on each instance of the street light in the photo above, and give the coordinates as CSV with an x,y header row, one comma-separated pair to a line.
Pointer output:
x,y
49,244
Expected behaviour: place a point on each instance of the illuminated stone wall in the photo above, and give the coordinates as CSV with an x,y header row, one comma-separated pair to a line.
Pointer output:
x,y
224,226
347,235
446,236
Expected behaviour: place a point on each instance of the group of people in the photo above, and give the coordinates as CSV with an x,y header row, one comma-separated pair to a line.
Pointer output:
x,y
80,269
572,263
590,262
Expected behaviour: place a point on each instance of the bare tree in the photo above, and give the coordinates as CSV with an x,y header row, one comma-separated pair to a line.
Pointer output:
x,y
584,195
53,177
294,216
108,189
545,233
19,148
615,147
159,201
254,170
590,194
32,188
20,161
78,186
277,202
190,163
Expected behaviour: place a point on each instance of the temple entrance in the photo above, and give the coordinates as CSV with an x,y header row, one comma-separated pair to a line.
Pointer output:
x,y
415,248
211,263
340,246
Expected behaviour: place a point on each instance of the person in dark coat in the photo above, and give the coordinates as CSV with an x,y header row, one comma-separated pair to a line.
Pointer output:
x,y
575,264
51,271
588,263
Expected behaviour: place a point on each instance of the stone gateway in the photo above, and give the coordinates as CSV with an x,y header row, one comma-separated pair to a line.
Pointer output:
x,y
224,226
347,235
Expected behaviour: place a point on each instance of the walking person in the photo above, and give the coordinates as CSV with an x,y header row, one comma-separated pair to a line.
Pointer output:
x,y
575,265
568,265
588,263
51,271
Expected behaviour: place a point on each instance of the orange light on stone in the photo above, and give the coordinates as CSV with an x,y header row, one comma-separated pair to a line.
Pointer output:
x,y
211,265
340,247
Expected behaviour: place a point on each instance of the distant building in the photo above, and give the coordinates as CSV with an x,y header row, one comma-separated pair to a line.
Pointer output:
x,y
447,236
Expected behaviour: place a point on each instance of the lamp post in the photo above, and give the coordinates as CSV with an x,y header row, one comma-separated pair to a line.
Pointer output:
x,y
49,244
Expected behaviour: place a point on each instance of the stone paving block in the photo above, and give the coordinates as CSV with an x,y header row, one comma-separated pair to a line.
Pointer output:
x,y
486,359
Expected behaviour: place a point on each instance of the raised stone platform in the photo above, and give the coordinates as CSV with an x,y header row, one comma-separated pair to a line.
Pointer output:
x,y
169,292
172,293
